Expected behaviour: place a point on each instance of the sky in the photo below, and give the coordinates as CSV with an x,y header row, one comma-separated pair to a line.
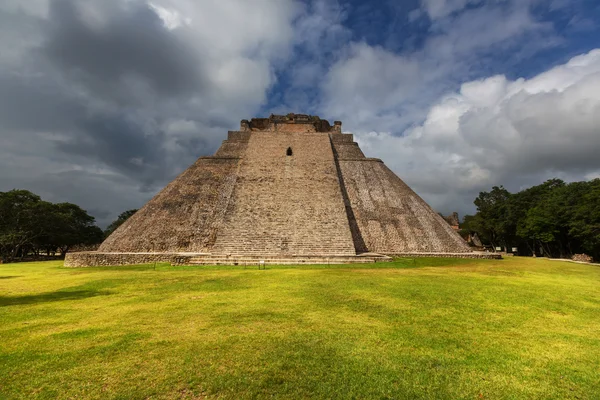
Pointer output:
x,y
102,103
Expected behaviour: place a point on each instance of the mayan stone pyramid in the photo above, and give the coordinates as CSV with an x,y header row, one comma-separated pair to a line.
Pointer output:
x,y
281,188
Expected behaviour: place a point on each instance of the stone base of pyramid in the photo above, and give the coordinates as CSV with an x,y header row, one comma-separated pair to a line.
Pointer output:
x,y
475,255
98,259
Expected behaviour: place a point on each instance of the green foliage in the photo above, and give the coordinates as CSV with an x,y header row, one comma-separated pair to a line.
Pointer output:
x,y
29,224
124,216
553,219
493,216
19,211
585,216
519,328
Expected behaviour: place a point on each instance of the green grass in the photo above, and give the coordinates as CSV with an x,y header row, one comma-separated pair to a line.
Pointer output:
x,y
428,328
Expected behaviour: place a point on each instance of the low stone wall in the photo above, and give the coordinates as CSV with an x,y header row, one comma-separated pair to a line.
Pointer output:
x,y
96,259
486,256
582,258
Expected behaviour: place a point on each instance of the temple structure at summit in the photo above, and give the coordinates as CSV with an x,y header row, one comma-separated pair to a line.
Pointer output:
x,y
285,189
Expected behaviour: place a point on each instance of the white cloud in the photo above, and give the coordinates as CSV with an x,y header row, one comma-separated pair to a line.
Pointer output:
x,y
371,87
260,28
454,142
171,18
370,81
497,131
441,8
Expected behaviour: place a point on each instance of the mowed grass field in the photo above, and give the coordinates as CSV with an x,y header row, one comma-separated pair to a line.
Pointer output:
x,y
517,328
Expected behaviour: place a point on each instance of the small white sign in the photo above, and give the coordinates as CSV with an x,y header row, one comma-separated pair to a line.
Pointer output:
x,y
498,248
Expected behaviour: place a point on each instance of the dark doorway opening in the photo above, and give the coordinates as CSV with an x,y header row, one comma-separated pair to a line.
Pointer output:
x,y
289,151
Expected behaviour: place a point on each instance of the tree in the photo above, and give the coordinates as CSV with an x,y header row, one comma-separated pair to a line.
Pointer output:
x,y
72,226
493,216
558,218
535,210
472,224
124,216
539,227
19,221
585,216
29,224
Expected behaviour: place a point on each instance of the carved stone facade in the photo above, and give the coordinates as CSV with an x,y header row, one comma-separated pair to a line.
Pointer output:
x,y
290,123
453,221
285,186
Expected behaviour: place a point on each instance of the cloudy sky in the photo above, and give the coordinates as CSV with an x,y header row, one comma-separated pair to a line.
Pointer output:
x,y
103,102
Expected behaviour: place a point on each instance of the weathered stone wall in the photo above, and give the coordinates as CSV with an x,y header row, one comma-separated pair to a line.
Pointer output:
x,y
238,136
345,147
185,215
475,255
582,258
232,148
97,259
391,218
290,123
286,204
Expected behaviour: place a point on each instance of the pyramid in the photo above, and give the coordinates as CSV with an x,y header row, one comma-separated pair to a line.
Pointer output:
x,y
285,188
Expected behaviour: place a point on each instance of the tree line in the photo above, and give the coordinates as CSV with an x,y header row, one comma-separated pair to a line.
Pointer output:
x,y
554,219
32,226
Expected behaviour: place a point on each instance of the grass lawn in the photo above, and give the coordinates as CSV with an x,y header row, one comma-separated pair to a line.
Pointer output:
x,y
517,328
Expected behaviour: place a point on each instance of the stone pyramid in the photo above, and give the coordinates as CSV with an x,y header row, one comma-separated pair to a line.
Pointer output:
x,y
284,187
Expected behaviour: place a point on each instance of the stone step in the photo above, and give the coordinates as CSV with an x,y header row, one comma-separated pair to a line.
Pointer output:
x,y
288,259
283,257
281,260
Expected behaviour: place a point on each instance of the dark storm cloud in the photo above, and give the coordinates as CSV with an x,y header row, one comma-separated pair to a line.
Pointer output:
x,y
78,85
104,196
83,108
118,141
30,103
132,42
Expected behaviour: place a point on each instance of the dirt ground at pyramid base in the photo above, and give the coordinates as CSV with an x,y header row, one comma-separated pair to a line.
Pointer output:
x,y
423,328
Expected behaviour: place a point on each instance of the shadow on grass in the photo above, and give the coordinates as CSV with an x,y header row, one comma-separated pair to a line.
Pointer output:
x,y
50,297
9,277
